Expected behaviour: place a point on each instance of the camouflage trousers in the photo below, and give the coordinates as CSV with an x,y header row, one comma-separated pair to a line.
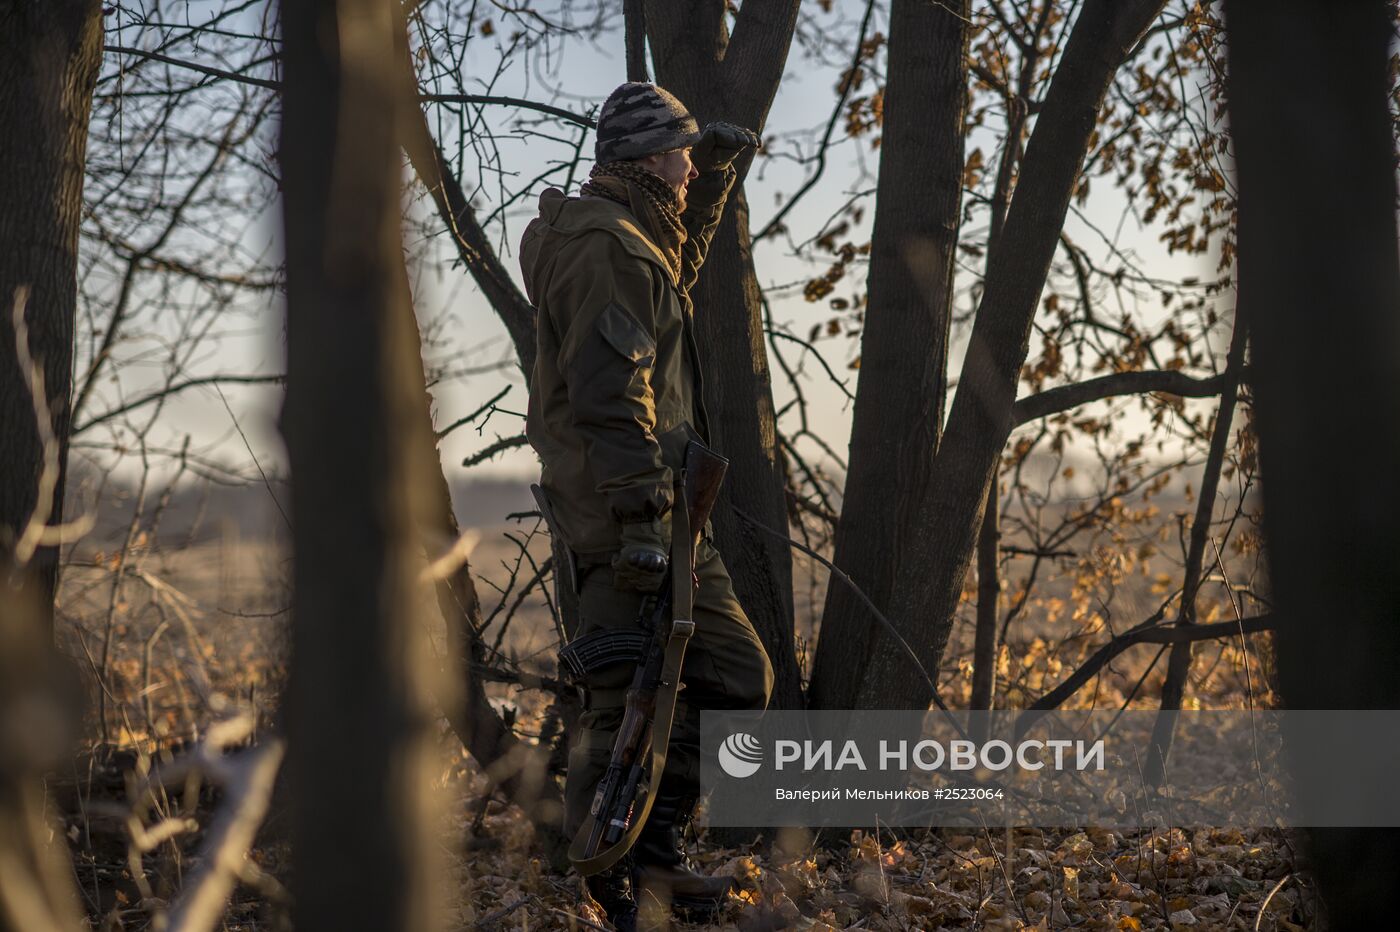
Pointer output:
x,y
726,667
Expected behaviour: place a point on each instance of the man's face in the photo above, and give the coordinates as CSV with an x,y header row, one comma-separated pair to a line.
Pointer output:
x,y
675,169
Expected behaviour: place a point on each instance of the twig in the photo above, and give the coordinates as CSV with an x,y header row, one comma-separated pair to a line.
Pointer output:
x,y
540,572
500,446
248,783
847,83
35,528
474,415
490,919
1006,876
192,66
879,615
579,919
173,389
1248,677
839,383
454,559
575,118
1265,905
249,447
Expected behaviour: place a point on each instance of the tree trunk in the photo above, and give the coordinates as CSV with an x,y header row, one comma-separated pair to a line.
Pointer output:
x,y
984,651
634,29
903,380
49,58
984,648
931,574
743,427
1309,88
1179,661
37,691
359,694
720,78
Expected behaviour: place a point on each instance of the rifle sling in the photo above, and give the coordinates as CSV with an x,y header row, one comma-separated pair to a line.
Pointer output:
x,y
682,627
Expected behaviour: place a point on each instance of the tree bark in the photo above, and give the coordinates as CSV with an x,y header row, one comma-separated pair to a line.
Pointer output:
x,y
984,647
903,380
360,694
49,58
931,575
1308,88
734,79
634,39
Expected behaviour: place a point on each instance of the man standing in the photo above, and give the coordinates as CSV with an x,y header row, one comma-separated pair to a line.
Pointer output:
x,y
615,399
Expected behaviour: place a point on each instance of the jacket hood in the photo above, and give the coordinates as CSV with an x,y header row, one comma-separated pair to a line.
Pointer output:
x,y
562,218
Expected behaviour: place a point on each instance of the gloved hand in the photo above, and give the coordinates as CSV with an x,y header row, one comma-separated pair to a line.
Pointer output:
x,y
641,561
720,144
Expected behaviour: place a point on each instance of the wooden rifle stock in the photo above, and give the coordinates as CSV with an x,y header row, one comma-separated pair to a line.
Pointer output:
x,y
615,800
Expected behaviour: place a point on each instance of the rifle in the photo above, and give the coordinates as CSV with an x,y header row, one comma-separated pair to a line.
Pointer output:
x,y
623,801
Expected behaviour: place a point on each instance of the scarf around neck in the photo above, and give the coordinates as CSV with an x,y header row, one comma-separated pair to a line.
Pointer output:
x,y
649,197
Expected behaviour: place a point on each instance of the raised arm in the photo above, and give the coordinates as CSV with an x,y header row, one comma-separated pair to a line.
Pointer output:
x,y
704,206
713,156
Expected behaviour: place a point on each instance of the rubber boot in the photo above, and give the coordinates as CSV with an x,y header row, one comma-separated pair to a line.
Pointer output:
x,y
612,890
663,879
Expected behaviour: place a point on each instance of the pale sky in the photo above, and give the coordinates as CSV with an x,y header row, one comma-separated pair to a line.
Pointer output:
x,y
589,72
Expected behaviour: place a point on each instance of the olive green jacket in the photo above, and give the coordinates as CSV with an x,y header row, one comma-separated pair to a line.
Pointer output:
x,y
617,392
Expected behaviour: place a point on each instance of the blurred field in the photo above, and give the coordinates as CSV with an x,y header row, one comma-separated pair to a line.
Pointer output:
x,y
182,617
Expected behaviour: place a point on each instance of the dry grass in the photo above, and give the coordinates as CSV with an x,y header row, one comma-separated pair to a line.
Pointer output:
x,y
196,632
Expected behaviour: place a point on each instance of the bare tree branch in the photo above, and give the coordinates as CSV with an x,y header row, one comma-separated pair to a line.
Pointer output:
x,y
1149,633
174,389
500,446
520,102
252,81
847,82
1055,400
473,246
194,66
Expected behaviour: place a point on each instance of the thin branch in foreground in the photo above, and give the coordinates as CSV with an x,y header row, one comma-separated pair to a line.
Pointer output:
x,y
43,418
247,780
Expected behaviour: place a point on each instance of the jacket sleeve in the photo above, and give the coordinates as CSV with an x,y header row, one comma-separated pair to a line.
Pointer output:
x,y
704,205
604,312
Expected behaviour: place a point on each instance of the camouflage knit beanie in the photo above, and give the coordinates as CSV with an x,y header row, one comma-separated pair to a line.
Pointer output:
x,y
642,119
